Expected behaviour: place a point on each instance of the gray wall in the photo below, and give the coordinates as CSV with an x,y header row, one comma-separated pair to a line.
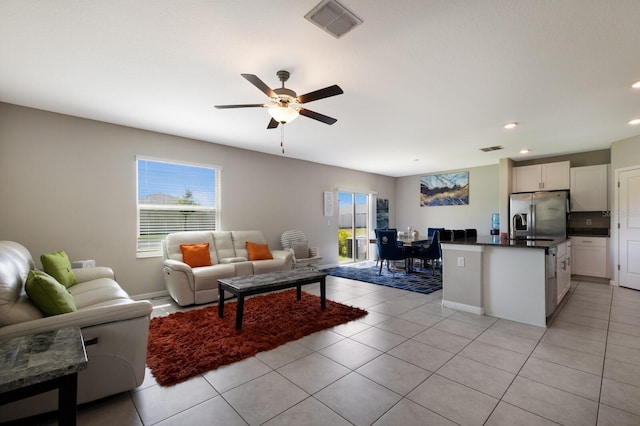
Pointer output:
x,y
68,183
483,201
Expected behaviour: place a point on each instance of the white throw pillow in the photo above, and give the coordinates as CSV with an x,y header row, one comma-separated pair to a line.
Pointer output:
x,y
300,249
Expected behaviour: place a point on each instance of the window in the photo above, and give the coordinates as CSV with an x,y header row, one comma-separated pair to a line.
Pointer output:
x,y
174,197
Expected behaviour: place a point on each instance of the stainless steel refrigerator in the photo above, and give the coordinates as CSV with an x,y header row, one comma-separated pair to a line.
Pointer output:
x,y
539,214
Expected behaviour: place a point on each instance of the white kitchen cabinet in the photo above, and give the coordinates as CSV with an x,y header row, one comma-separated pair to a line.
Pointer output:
x,y
542,177
527,178
589,188
590,256
563,270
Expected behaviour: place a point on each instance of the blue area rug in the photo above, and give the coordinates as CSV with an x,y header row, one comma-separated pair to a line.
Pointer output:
x,y
419,281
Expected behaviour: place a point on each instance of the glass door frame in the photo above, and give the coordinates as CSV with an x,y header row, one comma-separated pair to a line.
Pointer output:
x,y
354,209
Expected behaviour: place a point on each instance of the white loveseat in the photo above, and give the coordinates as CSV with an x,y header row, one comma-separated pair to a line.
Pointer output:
x,y
229,258
117,326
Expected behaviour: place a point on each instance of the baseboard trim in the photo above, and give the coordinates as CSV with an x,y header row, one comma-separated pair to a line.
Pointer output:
x,y
463,307
153,295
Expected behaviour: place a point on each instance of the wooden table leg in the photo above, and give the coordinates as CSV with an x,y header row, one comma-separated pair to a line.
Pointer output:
x,y
220,302
323,293
239,312
299,292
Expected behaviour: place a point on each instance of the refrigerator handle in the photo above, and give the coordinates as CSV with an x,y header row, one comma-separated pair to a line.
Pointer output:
x,y
531,232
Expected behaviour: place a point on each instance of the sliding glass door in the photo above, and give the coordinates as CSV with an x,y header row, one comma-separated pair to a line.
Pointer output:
x,y
353,232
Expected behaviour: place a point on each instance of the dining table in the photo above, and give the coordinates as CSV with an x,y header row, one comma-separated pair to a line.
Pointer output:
x,y
411,248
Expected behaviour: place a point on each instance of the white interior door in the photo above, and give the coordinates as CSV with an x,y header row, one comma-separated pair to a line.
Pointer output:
x,y
629,232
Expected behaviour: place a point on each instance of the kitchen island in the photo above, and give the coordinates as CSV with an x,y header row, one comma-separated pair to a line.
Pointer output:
x,y
511,279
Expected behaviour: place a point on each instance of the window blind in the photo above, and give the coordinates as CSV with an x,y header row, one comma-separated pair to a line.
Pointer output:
x,y
174,197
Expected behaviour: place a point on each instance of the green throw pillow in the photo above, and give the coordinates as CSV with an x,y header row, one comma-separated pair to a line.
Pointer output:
x,y
51,297
57,265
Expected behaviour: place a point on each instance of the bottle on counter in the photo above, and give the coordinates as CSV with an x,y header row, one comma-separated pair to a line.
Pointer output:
x,y
495,224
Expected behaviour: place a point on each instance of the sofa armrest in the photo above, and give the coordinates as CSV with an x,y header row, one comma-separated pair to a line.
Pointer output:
x,y
282,254
88,274
124,310
176,265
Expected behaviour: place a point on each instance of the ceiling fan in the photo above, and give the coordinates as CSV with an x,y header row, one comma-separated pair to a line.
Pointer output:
x,y
285,105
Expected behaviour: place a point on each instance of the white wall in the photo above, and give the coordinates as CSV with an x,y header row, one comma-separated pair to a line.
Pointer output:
x,y
483,201
68,183
624,154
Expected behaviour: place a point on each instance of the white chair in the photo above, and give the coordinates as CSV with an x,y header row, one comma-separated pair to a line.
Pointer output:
x,y
303,255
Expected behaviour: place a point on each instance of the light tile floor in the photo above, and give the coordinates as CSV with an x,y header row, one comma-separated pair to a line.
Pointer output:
x,y
411,361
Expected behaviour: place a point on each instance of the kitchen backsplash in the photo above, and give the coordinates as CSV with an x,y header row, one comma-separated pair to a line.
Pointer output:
x,y
589,223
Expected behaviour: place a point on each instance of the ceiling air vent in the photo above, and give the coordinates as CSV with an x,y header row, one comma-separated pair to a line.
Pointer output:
x,y
492,148
333,17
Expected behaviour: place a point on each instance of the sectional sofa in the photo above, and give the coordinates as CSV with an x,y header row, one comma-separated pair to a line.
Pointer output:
x,y
114,327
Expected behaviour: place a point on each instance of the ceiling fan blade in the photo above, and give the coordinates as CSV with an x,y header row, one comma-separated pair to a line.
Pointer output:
x,y
241,106
272,124
320,94
317,116
253,79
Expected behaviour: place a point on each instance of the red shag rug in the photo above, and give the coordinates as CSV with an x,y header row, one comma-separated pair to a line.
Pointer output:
x,y
185,344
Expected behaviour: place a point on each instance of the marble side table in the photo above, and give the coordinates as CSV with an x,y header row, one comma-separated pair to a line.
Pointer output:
x,y
41,362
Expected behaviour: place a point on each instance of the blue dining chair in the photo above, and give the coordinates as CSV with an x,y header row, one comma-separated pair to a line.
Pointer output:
x,y
388,249
459,234
399,243
431,231
445,235
432,253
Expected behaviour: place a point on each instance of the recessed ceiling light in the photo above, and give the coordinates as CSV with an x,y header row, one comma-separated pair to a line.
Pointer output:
x,y
510,125
636,85
635,121
525,151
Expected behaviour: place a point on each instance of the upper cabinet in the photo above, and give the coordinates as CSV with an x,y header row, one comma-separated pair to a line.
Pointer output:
x,y
541,177
589,188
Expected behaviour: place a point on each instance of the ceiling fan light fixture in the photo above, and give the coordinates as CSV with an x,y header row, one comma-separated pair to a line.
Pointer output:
x,y
283,114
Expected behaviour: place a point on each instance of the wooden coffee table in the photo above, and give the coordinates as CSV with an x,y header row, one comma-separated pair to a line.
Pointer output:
x,y
263,283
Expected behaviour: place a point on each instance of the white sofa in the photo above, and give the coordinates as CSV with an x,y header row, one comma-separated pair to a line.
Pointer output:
x,y
229,258
105,313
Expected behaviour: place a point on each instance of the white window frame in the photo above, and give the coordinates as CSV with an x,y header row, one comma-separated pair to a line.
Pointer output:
x,y
156,250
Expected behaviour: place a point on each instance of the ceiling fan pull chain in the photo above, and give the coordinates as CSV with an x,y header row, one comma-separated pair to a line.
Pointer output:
x,y
282,137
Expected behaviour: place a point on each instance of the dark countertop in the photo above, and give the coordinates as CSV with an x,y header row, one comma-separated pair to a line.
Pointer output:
x,y
495,241
588,232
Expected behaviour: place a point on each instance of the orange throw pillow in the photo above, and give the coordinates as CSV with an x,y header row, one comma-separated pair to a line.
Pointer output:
x,y
258,251
196,255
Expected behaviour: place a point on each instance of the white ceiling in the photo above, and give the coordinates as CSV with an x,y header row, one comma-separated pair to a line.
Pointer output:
x,y
426,82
